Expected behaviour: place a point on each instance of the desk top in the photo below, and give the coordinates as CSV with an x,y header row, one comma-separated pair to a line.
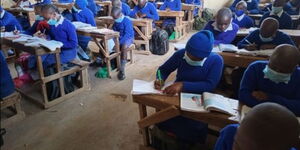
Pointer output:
x,y
164,13
105,35
258,16
19,9
64,5
292,33
236,60
183,6
110,20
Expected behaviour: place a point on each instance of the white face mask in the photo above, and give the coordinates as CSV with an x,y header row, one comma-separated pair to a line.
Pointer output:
x,y
192,62
276,10
269,39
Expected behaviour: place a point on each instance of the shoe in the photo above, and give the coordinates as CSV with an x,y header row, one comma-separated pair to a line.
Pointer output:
x,y
121,75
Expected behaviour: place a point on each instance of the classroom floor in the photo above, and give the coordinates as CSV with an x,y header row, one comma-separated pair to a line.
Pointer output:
x,y
93,120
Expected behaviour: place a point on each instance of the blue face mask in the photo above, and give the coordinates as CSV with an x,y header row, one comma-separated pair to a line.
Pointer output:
x,y
38,17
269,39
120,19
239,12
276,76
192,62
52,22
276,10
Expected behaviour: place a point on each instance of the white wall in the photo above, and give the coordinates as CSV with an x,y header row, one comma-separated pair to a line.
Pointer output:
x,y
215,5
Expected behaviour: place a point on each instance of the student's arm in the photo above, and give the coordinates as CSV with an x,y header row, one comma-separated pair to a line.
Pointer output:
x,y
178,5
163,6
250,22
227,39
72,38
288,24
127,10
287,40
153,13
210,83
292,104
90,19
226,138
254,9
133,12
249,38
232,7
32,29
6,19
170,65
128,32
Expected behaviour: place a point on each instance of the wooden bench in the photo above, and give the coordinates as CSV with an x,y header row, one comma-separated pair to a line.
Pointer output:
x,y
12,101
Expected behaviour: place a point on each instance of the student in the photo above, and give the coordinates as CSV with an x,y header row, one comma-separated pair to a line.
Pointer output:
x,y
240,17
125,27
267,37
252,6
144,9
82,14
93,7
292,7
65,1
174,5
40,24
267,126
60,30
9,21
277,12
223,28
125,8
198,70
195,2
276,80
7,86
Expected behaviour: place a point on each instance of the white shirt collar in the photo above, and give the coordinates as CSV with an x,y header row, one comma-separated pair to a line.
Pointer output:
x,y
228,29
279,14
60,21
239,18
2,14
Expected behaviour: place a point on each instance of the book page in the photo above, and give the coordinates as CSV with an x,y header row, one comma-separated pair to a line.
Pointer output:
x,y
216,102
145,87
191,102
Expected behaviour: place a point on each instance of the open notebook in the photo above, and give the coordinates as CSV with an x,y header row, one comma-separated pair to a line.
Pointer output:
x,y
208,102
145,87
233,49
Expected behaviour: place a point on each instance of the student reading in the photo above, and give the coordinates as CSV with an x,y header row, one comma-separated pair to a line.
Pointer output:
x,y
267,126
240,16
276,80
223,29
198,70
9,21
125,27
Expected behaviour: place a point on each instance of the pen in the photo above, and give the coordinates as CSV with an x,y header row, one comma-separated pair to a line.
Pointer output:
x,y
159,76
248,42
16,28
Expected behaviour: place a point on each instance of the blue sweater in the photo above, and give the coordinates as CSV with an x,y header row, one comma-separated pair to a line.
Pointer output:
x,y
93,7
285,20
290,9
195,2
125,28
253,37
246,22
195,79
252,6
174,5
226,138
7,86
65,33
222,37
65,1
284,94
10,22
148,9
125,9
33,28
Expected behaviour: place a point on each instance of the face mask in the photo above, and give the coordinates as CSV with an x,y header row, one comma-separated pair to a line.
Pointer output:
x,y
269,39
38,17
276,10
120,19
276,76
52,22
239,12
192,62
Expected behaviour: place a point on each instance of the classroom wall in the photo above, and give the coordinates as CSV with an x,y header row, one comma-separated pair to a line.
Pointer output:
x,y
215,5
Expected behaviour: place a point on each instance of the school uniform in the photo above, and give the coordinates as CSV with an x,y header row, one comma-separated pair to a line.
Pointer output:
x,y
125,28
284,19
93,7
291,9
243,21
194,2
9,21
226,138
283,93
7,86
125,9
225,37
174,5
268,8
148,9
86,16
65,1
196,79
153,3
252,6
253,37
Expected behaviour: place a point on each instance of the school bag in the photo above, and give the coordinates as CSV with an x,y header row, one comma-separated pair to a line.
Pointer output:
x,y
200,22
159,43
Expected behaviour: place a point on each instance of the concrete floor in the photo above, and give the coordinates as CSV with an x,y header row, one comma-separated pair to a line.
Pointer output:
x,y
93,120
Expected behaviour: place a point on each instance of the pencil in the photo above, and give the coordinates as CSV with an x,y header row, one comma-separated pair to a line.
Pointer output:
x,y
159,76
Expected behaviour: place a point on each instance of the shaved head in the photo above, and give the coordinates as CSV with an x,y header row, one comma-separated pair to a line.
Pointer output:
x,y
116,12
223,18
267,126
242,5
116,3
269,27
285,58
142,3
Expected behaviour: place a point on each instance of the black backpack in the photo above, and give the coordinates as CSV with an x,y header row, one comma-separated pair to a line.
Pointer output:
x,y
159,43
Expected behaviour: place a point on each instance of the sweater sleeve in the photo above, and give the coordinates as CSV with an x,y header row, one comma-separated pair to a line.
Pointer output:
x,y
292,104
226,138
6,20
227,38
249,38
287,40
170,65
163,6
133,12
153,13
254,9
32,29
178,5
209,84
232,7
288,23
72,38
128,32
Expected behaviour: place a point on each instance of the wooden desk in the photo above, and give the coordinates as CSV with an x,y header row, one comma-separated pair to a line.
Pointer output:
x,y
38,91
107,5
30,13
64,5
101,41
258,16
143,28
236,60
169,108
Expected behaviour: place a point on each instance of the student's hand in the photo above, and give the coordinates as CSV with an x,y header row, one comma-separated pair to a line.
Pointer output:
x,y
174,88
251,47
16,32
139,14
143,15
260,96
267,46
40,34
158,84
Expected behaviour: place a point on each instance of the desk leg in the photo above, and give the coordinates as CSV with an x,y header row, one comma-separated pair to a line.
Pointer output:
x,y
42,77
145,131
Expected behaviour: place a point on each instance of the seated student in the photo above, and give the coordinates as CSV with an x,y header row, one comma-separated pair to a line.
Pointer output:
x,y
125,27
95,8
292,7
240,17
7,86
9,21
267,126
252,6
194,2
37,25
60,30
65,1
198,70
153,2
174,5
144,9
267,37
276,80
223,28
277,12
125,8
83,14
